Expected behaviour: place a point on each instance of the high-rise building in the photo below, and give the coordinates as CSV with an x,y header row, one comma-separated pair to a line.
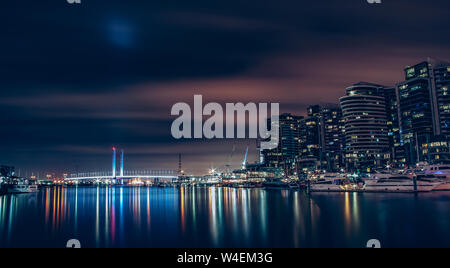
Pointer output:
x,y
307,144
424,108
366,127
398,157
286,154
442,85
309,141
417,113
332,138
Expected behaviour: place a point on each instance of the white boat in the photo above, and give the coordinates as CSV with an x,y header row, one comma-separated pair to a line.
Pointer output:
x,y
331,182
23,188
435,173
210,180
394,183
442,187
443,184
442,171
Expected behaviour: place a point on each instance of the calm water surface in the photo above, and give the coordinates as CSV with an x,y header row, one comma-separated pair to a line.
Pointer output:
x,y
221,217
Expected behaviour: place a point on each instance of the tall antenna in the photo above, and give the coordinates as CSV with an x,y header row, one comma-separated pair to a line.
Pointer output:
x,y
180,170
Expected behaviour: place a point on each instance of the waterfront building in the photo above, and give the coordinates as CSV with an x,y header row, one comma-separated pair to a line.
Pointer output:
x,y
398,157
364,109
436,151
423,107
332,138
301,148
258,172
442,85
309,141
286,154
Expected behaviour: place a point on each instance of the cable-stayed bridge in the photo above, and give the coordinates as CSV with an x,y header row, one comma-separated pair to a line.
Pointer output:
x,y
121,174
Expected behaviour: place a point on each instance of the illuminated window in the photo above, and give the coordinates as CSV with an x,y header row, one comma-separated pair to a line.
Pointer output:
x,y
410,72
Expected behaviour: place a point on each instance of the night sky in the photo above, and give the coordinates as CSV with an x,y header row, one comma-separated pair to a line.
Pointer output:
x,y
77,79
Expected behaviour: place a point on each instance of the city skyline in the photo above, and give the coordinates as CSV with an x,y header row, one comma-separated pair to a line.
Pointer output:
x,y
310,113
118,87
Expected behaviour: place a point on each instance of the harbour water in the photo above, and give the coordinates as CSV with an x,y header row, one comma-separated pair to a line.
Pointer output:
x,y
221,217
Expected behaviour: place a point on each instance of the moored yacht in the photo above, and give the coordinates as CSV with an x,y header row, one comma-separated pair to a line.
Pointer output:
x,y
434,173
442,171
332,182
394,183
443,184
23,189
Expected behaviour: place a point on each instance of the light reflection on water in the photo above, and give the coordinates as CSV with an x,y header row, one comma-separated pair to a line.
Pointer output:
x,y
221,217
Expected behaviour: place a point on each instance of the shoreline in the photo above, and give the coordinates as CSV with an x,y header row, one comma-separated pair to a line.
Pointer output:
x,y
4,191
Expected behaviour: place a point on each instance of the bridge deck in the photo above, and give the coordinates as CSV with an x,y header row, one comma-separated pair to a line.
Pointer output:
x,y
122,177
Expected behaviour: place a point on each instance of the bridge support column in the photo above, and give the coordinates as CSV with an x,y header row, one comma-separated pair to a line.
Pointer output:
x,y
114,163
121,163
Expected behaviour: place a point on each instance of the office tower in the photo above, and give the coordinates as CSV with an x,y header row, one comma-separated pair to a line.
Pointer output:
x,y
424,108
417,111
286,154
366,129
332,138
309,141
442,85
398,157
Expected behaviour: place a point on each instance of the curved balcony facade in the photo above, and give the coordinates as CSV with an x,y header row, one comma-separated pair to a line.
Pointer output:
x,y
366,127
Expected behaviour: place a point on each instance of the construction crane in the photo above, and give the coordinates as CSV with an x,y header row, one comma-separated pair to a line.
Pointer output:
x,y
244,164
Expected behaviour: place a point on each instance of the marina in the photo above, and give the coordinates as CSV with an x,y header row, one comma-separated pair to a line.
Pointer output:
x,y
423,178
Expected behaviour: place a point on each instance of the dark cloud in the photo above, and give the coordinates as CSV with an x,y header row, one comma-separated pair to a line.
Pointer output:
x,y
77,79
